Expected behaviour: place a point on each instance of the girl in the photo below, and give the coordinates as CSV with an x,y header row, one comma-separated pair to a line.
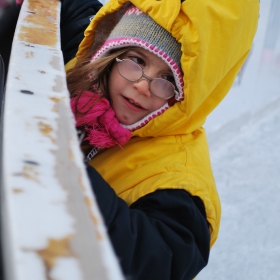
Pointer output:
x,y
143,81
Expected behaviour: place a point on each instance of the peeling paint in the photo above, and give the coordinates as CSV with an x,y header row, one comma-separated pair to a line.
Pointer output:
x,y
93,218
54,109
56,248
29,54
81,183
40,25
56,99
46,129
71,154
38,36
28,172
17,191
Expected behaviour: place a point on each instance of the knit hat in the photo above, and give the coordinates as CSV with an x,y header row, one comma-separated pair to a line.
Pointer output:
x,y
138,29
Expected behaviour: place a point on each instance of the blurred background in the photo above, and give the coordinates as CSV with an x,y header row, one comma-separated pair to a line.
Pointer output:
x,y
244,136
258,81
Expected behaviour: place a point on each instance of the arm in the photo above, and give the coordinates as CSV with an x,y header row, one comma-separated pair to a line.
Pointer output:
x,y
163,235
75,17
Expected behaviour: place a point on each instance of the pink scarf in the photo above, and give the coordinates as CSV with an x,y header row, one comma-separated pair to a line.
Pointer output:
x,y
98,118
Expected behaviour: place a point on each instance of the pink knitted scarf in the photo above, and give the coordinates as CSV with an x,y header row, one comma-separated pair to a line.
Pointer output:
x,y
98,118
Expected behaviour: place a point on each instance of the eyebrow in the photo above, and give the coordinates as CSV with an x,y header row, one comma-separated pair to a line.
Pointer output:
x,y
145,56
141,52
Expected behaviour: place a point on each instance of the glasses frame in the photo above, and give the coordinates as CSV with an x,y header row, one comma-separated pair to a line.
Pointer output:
x,y
118,60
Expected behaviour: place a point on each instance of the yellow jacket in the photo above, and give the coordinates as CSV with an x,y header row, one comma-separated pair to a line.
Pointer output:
x,y
171,151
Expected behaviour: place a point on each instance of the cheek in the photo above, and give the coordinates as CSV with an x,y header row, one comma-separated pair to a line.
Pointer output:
x,y
157,103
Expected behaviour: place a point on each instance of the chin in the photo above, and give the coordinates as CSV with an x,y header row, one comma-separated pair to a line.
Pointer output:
x,y
125,121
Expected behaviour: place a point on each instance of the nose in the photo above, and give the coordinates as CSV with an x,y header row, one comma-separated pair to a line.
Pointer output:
x,y
143,86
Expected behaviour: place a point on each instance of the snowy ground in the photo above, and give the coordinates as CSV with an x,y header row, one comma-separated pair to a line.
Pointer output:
x,y
246,162
244,140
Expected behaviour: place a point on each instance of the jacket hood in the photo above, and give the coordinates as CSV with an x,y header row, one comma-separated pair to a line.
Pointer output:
x,y
215,36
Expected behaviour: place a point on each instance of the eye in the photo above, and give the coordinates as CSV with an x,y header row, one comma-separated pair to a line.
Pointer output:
x,y
169,78
137,60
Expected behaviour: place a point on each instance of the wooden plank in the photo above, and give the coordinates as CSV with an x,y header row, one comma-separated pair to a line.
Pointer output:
x,y
51,226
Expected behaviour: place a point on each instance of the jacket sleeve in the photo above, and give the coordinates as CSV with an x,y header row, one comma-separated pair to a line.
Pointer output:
x,y
75,17
163,235
8,20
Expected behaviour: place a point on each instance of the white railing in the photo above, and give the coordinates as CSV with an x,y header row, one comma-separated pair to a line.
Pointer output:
x,y
51,226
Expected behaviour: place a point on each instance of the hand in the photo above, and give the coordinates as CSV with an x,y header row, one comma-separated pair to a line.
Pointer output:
x,y
19,2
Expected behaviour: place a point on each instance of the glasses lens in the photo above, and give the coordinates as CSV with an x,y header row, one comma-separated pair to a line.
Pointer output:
x,y
162,88
130,70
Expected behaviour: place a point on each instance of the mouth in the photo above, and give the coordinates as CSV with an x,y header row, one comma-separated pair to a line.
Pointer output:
x,y
133,105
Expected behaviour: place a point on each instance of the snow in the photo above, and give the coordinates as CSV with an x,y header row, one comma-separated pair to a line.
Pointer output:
x,y
244,141
245,158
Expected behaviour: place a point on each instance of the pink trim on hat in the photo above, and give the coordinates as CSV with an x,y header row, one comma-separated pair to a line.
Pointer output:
x,y
133,11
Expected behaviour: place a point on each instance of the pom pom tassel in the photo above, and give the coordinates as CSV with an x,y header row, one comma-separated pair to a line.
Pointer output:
x,y
99,119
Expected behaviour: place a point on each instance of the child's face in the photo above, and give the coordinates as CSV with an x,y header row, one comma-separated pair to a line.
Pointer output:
x,y
132,101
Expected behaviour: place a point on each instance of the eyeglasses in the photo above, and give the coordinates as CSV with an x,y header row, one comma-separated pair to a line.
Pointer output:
x,y
133,72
